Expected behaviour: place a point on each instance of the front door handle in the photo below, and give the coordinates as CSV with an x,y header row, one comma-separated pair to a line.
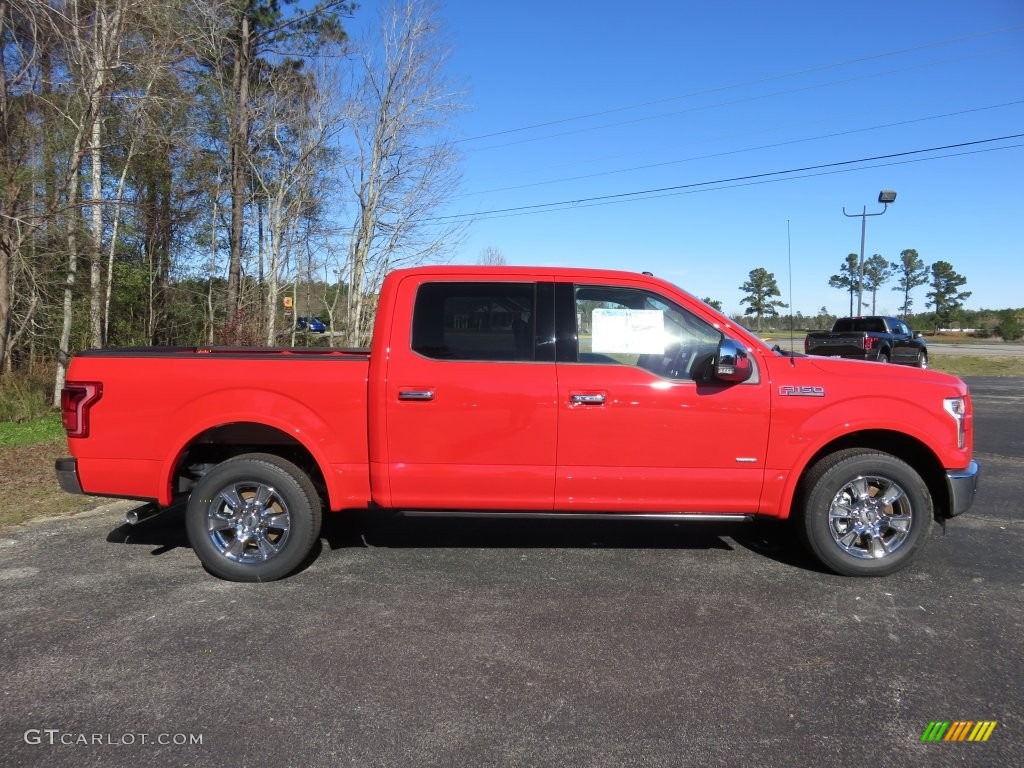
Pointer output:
x,y
416,395
587,398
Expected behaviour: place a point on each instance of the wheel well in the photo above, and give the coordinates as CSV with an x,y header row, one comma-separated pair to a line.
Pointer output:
x,y
913,452
218,444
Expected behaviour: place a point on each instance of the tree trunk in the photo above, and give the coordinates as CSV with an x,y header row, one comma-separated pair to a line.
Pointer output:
x,y
275,223
105,44
239,158
6,277
71,195
210,307
96,242
63,351
113,246
9,202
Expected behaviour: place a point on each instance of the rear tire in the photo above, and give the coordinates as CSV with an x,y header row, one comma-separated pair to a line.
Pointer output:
x,y
864,513
883,358
255,517
922,359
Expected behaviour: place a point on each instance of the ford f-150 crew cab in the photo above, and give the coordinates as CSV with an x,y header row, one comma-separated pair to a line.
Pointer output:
x,y
523,391
882,339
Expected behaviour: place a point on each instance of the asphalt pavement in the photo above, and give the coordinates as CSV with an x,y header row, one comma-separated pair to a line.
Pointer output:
x,y
510,643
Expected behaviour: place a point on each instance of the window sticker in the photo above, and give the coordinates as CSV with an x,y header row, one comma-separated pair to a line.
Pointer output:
x,y
628,331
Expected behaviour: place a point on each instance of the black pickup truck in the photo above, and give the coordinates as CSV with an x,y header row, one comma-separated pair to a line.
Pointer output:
x,y
884,339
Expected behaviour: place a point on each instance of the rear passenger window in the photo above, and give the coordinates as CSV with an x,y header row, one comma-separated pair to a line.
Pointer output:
x,y
475,321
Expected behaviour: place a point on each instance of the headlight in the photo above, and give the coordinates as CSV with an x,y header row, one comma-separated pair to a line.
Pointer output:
x,y
957,408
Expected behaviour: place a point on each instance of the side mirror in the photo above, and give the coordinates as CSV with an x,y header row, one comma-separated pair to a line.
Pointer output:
x,y
732,362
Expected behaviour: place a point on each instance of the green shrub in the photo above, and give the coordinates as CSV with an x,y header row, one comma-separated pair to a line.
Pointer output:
x,y
25,396
1009,325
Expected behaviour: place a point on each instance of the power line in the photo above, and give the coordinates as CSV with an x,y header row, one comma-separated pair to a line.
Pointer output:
x,y
742,84
801,176
679,188
732,102
649,166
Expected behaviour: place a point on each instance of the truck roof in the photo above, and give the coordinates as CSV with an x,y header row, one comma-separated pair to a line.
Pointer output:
x,y
558,274
473,269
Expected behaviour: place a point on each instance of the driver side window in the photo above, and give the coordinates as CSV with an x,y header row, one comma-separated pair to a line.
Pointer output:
x,y
627,326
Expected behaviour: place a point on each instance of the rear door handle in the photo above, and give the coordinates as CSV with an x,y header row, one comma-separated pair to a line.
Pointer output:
x,y
587,398
416,395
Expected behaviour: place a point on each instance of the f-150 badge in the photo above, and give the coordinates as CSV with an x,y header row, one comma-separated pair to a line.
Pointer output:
x,y
787,390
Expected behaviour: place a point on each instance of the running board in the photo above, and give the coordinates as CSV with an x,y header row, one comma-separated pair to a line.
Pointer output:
x,y
687,516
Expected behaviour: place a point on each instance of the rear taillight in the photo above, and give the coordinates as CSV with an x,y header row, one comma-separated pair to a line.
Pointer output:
x,y
869,342
76,399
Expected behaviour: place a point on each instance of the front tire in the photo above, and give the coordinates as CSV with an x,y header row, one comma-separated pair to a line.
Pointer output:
x,y
255,517
865,513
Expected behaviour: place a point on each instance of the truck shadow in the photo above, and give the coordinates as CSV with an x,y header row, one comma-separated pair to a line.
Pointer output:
x,y
165,531
372,529
360,529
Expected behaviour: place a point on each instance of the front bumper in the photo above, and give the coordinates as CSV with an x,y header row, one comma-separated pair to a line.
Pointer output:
x,y
962,484
67,475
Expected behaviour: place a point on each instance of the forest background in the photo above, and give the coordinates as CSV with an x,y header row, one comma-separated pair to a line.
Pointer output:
x,y
191,172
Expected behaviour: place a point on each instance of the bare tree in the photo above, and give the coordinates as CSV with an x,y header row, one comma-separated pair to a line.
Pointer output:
x,y
153,51
19,57
491,257
402,170
296,129
91,35
260,28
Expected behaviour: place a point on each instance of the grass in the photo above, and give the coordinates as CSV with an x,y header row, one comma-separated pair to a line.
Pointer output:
x,y
963,338
978,366
46,429
29,489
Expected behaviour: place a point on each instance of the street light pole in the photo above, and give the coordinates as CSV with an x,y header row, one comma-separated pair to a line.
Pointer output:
x,y
885,197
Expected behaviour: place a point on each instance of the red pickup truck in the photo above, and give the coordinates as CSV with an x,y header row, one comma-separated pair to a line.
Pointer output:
x,y
524,392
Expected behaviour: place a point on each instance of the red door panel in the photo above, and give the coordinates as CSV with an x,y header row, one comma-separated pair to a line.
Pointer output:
x,y
484,439
471,413
654,445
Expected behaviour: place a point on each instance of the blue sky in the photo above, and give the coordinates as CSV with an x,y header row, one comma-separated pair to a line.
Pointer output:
x,y
571,100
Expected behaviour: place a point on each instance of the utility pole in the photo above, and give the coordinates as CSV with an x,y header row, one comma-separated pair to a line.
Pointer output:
x,y
885,197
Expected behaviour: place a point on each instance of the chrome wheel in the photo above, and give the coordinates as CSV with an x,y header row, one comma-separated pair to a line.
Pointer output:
x,y
254,517
864,512
870,517
248,522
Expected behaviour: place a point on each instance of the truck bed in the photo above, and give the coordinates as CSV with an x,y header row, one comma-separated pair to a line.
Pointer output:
x,y
289,353
156,399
